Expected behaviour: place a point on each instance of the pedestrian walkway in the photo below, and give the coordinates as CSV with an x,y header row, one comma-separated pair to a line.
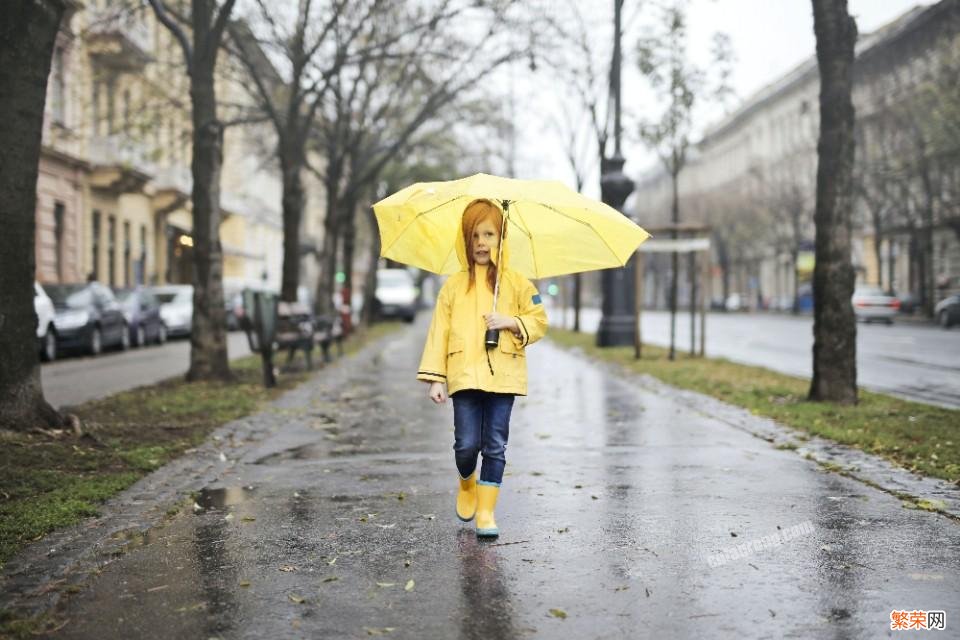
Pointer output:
x,y
624,513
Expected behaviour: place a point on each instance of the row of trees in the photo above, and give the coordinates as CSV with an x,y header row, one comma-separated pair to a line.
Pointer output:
x,y
362,94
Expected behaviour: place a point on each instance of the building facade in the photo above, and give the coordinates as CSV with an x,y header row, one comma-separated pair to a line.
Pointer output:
x,y
753,178
115,183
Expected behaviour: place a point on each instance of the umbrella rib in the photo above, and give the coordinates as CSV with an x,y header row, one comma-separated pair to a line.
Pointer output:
x,y
414,219
526,230
584,222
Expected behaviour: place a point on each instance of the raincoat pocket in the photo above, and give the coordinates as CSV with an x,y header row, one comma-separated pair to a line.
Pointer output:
x,y
509,347
454,346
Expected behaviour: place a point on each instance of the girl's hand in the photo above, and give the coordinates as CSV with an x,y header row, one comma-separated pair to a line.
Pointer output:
x,y
437,393
499,321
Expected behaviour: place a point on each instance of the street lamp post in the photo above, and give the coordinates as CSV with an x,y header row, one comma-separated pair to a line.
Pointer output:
x,y
618,324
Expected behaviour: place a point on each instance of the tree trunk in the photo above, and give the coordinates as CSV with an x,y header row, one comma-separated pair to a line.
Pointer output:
x,y
208,343
577,287
28,30
674,262
348,228
834,324
291,167
370,282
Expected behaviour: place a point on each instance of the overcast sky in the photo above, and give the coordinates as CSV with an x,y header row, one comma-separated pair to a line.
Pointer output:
x,y
769,37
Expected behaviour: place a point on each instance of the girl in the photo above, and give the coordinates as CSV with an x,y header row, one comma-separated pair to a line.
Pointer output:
x,y
481,380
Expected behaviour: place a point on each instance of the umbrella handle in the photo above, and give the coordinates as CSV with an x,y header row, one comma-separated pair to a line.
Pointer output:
x,y
492,337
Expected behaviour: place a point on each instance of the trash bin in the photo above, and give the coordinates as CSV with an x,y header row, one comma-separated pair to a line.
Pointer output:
x,y
260,325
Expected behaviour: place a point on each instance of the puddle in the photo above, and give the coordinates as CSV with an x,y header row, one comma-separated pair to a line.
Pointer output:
x,y
224,497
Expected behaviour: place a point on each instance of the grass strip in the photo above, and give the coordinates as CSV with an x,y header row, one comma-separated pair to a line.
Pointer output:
x,y
47,483
919,437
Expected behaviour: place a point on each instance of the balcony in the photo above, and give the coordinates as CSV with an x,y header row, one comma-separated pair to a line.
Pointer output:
x,y
118,38
119,164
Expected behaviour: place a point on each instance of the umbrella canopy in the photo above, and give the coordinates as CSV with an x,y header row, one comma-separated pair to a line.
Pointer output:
x,y
552,229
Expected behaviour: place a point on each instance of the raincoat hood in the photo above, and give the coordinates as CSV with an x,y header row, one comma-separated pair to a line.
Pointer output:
x,y
462,248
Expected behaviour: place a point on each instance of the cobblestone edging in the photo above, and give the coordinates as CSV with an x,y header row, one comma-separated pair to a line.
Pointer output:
x,y
34,579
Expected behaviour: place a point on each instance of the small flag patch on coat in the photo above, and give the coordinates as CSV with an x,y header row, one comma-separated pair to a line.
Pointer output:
x,y
536,298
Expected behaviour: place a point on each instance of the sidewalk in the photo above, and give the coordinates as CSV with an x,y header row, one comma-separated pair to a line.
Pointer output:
x,y
626,506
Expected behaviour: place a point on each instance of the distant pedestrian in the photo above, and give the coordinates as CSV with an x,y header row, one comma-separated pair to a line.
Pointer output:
x,y
482,378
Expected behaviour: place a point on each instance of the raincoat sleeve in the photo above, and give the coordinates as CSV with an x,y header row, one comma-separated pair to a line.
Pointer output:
x,y
532,319
433,363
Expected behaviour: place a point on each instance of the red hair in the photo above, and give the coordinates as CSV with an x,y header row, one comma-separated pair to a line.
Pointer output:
x,y
475,213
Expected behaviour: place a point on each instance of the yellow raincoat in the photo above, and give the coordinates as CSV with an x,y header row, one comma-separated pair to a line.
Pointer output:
x,y
454,352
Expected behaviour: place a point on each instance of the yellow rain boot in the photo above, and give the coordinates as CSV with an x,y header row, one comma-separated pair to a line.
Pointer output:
x,y
487,493
467,498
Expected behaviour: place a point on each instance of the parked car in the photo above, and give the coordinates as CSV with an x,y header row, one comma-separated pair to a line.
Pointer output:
x,y
735,302
46,334
947,311
176,308
396,295
873,304
142,312
87,317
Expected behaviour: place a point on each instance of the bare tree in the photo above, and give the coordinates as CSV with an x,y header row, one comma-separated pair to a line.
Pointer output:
x,y
664,62
207,23
369,122
834,324
28,30
580,68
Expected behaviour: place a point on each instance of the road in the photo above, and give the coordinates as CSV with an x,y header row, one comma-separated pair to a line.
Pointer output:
x,y
332,516
74,380
918,362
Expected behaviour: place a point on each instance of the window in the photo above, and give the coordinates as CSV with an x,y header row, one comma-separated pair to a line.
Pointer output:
x,y
96,107
111,86
95,272
58,89
112,250
127,254
58,215
142,268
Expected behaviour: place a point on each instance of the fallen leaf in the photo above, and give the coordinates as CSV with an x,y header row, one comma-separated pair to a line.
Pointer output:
x,y
331,579
223,457
406,563
228,517
287,568
558,613
160,588
332,562
564,530
249,518
295,599
386,584
387,526
244,583
409,586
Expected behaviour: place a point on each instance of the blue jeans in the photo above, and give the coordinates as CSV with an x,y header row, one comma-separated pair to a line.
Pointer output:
x,y
481,422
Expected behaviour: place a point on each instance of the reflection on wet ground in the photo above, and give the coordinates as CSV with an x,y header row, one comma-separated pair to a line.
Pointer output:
x,y
616,497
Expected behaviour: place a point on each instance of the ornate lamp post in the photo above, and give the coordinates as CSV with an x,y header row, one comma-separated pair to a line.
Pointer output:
x,y
618,324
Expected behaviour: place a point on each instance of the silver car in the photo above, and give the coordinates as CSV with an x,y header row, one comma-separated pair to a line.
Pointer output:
x,y
871,304
176,308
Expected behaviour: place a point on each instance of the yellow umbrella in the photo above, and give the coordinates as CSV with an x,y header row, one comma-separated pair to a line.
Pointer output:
x,y
553,230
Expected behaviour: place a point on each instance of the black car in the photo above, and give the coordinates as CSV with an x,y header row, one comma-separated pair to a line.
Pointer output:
x,y
87,317
947,311
142,312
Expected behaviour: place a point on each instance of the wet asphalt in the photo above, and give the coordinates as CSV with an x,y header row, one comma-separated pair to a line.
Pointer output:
x,y
337,521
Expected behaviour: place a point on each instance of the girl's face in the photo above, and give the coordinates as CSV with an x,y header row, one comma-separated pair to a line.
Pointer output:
x,y
485,242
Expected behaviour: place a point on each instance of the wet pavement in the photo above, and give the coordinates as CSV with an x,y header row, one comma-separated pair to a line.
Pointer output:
x,y
621,514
